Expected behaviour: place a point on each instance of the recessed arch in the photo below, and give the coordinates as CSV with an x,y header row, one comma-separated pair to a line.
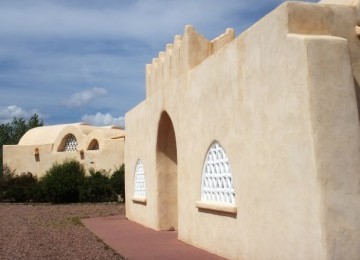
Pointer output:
x,y
94,145
166,167
216,181
68,144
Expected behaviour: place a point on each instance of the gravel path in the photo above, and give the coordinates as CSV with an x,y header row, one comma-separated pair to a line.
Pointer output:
x,y
45,231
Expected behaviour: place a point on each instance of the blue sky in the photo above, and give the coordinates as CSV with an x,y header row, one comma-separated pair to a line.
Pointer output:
x,y
84,60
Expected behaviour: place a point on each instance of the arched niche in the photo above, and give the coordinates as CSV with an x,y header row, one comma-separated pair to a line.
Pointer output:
x,y
166,167
94,145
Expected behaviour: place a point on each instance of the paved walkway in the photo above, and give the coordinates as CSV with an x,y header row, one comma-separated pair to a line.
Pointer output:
x,y
134,241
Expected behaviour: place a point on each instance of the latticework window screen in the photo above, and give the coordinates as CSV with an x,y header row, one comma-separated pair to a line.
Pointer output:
x,y
70,143
139,181
216,183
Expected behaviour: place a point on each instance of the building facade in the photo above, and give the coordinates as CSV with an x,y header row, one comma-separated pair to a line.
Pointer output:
x,y
99,148
250,146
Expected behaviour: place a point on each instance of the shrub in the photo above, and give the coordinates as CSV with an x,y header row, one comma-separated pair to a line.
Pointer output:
x,y
16,188
6,176
97,187
62,182
38,194
118,181
20,188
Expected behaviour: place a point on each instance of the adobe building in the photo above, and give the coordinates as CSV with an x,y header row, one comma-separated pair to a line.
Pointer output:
x,y
99,148
250,146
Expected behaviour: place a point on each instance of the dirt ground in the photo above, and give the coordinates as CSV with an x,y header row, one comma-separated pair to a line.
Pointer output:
x,y
46,231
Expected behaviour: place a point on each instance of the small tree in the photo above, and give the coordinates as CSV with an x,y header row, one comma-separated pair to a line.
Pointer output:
x,y
34,121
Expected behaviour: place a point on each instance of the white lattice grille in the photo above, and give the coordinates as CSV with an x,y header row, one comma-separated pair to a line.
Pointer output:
x,y
70,143
139,181
216,179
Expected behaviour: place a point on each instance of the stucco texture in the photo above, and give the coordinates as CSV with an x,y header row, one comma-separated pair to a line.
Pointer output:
x,y
281,100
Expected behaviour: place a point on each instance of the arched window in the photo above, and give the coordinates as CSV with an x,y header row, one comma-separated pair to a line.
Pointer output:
x,y
139,181
94,145
216,184
70,143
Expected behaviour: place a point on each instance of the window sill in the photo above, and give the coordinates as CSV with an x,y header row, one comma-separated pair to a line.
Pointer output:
x,y
139,200
216,206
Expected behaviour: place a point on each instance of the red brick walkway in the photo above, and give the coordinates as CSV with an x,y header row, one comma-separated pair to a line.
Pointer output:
x,y
134,241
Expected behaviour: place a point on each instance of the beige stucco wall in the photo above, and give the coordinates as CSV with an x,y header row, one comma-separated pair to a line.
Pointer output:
x,y
49,139
280,99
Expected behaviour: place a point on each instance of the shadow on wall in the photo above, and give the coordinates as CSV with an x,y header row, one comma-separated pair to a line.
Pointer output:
x,y
357,94
218,213
166,142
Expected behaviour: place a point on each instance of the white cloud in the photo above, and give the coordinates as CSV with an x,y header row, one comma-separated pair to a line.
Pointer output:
x,y
9,112
79,99
100,119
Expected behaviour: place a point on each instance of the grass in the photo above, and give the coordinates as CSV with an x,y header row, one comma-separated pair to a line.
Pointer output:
x,y
76,221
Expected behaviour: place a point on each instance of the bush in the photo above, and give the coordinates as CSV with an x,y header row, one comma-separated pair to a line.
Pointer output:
x,y
38,194
62,182
6,176
16,188
21,188
118,181
97,187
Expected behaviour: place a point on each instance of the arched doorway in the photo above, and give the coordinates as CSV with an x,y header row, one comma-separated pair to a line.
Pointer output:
x,y
166,167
